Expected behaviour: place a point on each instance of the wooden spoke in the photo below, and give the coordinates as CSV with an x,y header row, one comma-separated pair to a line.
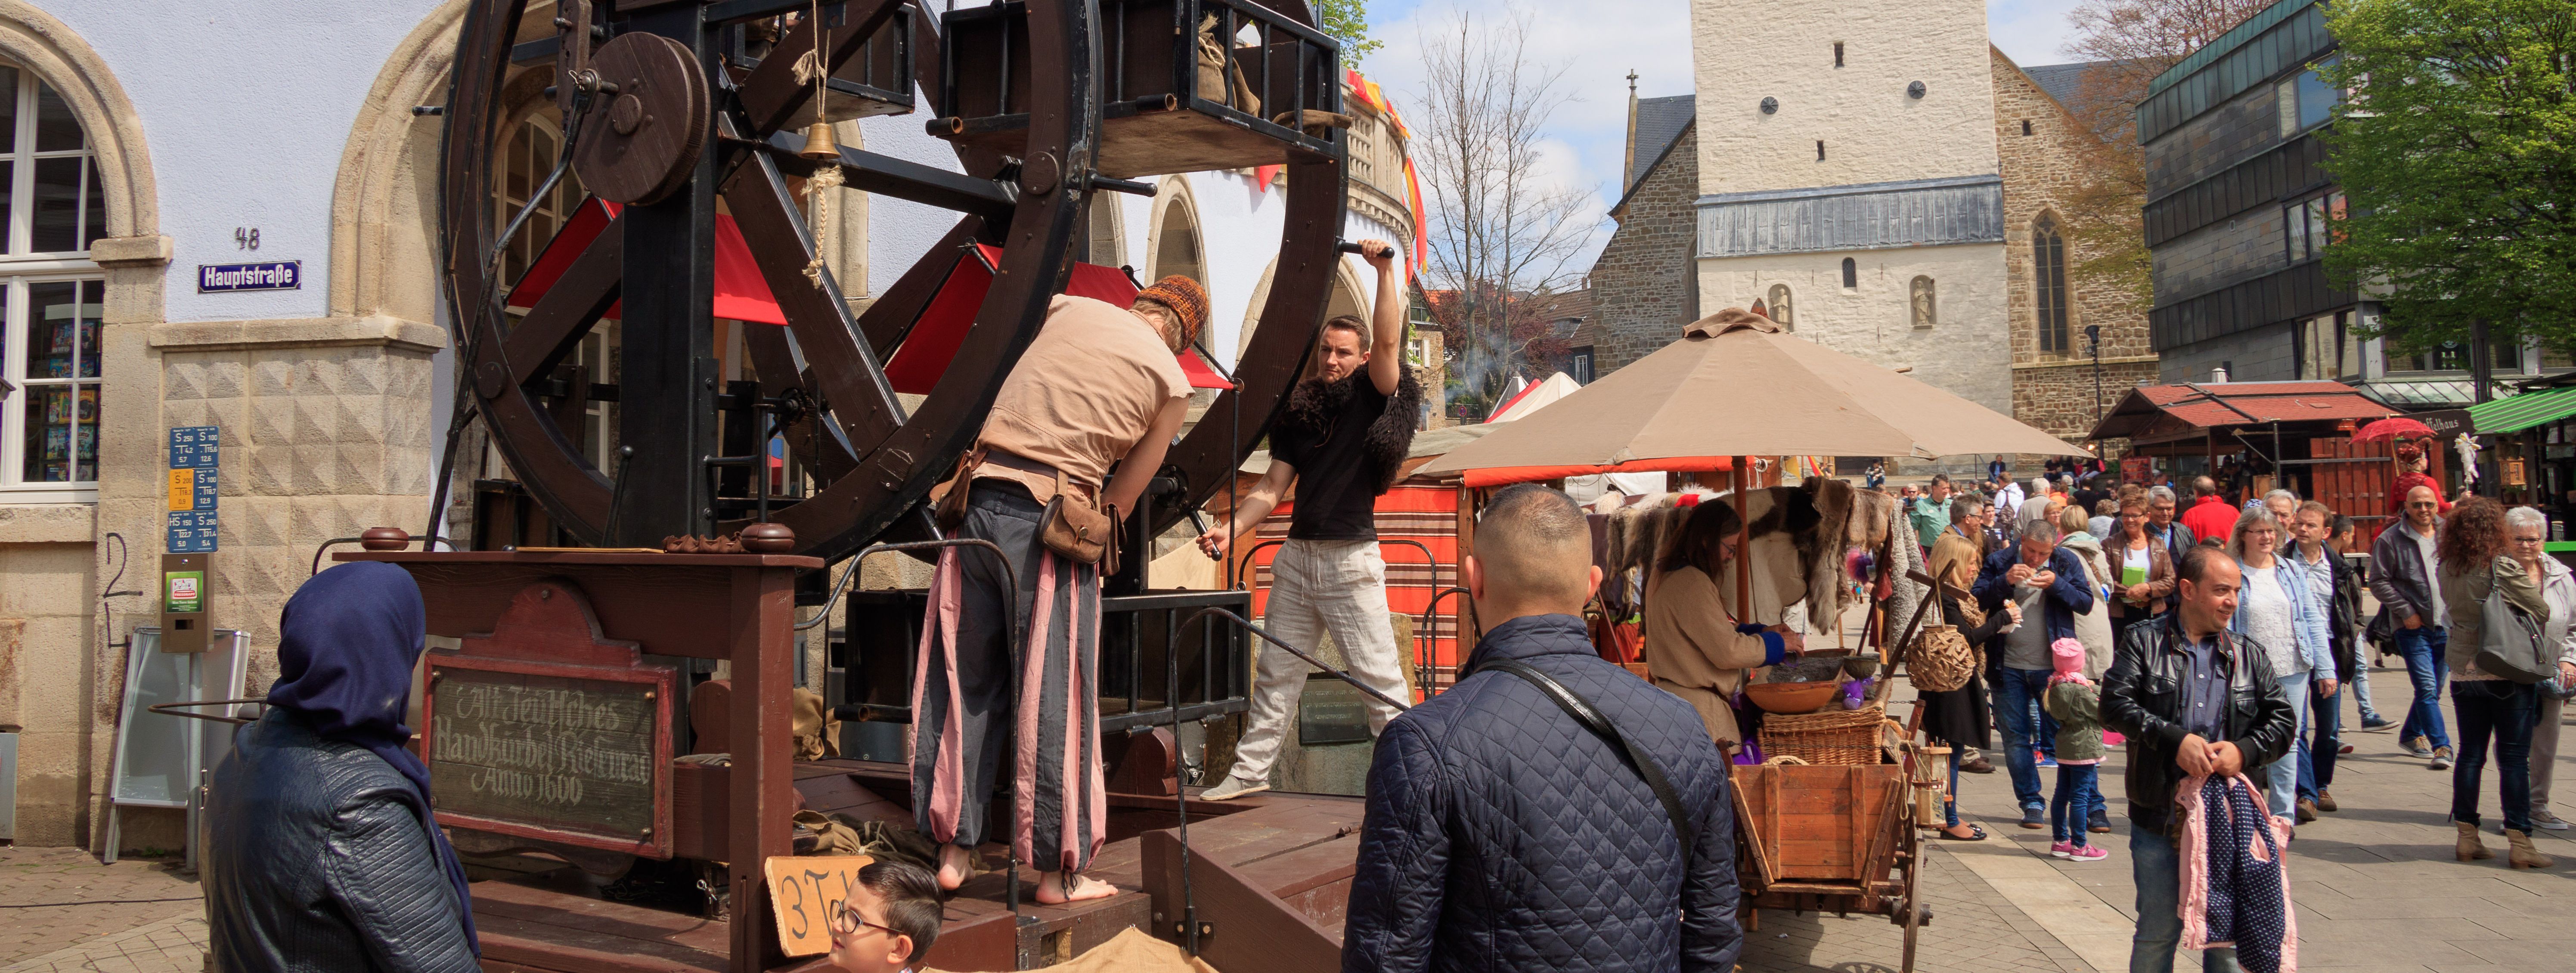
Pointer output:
x,y
890,319
818,443
771,95
561,318
847,373
1281,343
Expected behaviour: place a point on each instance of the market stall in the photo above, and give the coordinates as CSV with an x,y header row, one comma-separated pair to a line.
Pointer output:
x,y
1821,820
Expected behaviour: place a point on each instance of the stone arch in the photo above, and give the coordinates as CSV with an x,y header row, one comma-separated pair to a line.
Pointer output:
x,y
384,203
1174,243
40,43
1252,312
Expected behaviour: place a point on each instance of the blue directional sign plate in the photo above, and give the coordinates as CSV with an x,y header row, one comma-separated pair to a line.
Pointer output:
x,y
192,533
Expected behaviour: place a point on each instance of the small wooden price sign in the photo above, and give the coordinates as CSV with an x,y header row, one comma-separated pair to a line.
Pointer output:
x,y
802,892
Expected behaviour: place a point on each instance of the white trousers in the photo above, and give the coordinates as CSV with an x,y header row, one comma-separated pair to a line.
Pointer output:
x,y
1318,587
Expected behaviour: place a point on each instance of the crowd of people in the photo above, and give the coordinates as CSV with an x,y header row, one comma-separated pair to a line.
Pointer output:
x,y
2219,639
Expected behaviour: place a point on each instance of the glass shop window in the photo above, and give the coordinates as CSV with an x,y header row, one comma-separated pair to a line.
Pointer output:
x,y
51,296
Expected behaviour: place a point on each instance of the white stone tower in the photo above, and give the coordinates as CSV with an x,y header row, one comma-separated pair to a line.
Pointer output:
x,y
1847,163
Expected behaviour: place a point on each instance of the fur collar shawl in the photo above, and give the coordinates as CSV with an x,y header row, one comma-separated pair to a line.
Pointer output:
x,y
1314,405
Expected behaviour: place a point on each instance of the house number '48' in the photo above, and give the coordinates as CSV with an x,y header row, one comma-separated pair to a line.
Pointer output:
x,y
246,237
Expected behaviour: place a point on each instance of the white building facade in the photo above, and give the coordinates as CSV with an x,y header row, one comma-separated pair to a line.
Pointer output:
x,y
152,138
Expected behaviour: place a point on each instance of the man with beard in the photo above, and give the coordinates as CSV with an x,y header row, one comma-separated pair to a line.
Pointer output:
x,y
1343,436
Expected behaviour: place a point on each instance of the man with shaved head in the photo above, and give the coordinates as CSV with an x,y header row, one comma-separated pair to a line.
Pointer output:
x,y
1504,831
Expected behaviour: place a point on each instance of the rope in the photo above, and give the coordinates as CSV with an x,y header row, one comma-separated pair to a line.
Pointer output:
x,y
810,66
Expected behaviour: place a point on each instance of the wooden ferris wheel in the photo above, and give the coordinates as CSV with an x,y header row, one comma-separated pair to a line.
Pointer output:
x,y
682,111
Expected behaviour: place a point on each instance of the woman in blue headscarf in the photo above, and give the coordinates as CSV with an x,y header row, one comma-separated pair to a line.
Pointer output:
x,y
322,854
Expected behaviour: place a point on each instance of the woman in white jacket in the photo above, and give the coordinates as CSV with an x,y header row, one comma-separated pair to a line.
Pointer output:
x,y
2526,530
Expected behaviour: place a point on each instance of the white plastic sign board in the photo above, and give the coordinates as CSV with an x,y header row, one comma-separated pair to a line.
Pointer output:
x,y
158,755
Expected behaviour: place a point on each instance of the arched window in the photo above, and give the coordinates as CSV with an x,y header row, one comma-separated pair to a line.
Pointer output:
x,y
1761,308
1173,244
1781,311
1851,274
533,150
49,347
1926,305
531,155
2048,261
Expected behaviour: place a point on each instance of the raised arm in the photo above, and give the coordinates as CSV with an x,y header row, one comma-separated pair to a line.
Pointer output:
x,y
1386,317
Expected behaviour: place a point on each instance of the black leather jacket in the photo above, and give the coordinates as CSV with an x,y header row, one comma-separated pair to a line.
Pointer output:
x,y
2142,698
311,864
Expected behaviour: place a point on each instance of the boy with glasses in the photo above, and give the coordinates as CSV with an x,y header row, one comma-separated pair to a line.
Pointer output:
x,y
888,922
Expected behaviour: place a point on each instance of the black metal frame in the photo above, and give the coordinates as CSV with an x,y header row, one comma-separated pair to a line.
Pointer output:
x,y
893,92
1224,660
1320,90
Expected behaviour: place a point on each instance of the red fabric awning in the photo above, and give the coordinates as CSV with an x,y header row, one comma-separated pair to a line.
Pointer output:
x,y
741,293
933,341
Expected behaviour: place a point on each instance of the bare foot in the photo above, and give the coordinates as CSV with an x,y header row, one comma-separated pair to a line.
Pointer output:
x,y
1058,888
955,863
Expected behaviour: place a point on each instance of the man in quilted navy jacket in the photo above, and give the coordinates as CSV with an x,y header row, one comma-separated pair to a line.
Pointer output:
x,y
1503,835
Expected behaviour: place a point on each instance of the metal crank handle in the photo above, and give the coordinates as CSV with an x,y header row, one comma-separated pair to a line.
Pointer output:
x,y
1346,246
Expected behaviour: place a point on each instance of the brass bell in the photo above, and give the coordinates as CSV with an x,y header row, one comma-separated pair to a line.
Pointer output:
x,y
819,143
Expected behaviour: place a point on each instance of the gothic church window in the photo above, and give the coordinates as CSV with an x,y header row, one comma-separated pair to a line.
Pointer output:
x,y
2048,259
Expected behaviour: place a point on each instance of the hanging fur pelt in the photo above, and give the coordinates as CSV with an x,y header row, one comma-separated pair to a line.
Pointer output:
x,y
1799,537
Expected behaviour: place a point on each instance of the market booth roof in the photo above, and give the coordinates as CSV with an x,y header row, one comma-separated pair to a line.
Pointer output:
x,y
2520,412
2163,413
1736,386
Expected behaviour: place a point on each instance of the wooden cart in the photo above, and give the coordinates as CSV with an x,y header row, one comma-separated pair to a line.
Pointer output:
x,y
1829,839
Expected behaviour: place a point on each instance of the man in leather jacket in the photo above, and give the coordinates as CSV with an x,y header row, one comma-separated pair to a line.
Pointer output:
x,y
322,853
2194,700
2322,565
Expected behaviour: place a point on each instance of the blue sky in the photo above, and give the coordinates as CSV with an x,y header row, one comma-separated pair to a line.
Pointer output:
x,y
1600,41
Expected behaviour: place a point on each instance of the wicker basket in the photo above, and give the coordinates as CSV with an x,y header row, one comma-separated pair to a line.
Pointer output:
x,y
1839,738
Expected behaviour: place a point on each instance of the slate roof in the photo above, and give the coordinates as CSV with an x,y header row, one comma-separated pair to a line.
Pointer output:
x,y
1659,122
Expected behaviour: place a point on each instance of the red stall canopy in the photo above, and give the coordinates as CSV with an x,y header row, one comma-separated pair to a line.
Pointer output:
x,y
934,341
741,294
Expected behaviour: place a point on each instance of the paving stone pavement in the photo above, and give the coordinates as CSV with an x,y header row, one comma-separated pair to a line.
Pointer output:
x,y
60,909
2375,885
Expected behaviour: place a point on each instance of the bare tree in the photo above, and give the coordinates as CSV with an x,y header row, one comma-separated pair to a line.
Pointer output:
x,y
1501,238
2131,41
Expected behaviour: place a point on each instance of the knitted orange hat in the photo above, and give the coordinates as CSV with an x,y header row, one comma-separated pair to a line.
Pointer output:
x,y
1187,301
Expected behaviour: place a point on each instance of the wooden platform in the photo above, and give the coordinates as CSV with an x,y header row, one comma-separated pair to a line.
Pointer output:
x,y
1298,847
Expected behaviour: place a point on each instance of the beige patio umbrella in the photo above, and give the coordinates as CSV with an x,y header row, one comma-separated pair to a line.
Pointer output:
x,y
1736,386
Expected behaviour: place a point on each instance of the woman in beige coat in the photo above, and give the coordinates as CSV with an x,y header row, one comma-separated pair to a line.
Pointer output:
x,y
1695,646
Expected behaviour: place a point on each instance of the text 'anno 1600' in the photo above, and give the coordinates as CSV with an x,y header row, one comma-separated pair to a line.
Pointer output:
x,y
543,750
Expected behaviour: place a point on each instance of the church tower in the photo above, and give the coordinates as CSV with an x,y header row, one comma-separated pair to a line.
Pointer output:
x,y
1849,181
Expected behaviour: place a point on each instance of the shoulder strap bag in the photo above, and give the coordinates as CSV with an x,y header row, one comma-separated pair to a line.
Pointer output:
x,y
1638,759
2510,643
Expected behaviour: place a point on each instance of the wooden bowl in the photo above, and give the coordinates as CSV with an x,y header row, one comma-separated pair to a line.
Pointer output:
x,y
1791,697
1860,666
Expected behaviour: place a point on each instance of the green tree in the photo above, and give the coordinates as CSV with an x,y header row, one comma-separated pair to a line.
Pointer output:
x,y
2456,149
1347,22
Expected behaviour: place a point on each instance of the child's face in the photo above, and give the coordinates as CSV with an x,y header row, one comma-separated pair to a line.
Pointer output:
x,y
860,941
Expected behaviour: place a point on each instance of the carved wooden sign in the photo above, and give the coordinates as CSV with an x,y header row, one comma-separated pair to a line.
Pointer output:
x,y
543,729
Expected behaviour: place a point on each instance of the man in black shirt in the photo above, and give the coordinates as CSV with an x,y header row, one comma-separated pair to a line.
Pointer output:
x,y
1341,441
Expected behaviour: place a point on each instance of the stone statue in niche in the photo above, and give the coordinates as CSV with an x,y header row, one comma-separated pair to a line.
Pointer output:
x,y
1925,314
1780,310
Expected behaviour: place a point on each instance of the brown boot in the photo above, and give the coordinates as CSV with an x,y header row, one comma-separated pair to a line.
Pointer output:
x,y
2525,856
2471,849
